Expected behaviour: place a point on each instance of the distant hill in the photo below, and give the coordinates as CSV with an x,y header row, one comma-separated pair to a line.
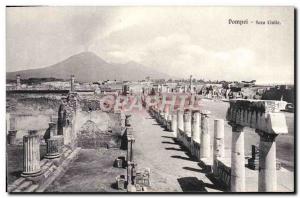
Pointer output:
x,y
87,67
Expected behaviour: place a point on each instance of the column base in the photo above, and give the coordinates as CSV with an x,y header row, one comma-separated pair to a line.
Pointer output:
x,y
52,155
31,174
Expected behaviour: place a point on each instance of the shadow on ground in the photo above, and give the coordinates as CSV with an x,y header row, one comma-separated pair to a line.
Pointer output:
x,y
163,136
174,149
216,184
191,184
166,142
183,158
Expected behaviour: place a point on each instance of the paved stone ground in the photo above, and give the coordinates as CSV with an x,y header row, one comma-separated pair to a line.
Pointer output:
x,y
172,169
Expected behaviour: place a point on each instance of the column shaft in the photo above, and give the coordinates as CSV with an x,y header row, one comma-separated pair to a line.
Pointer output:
x,y
187,123
174,124
218,142
53,147
267,179
31,162
11,137
237,160
196,126
205,137
180,120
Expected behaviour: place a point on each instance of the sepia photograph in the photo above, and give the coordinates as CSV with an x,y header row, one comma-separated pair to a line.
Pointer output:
x,y
150,99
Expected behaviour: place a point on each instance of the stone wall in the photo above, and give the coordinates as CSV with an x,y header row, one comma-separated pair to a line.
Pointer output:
x,y
98,129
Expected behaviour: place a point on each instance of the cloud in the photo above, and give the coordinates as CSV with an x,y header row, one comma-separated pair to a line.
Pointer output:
x,y
177,40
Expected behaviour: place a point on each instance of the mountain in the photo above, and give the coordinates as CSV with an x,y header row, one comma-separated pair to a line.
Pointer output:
x,y
87,67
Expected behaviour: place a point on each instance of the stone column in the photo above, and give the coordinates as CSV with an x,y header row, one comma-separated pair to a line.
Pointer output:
x,y
128,120
161,118
196,126
12,123
174,124
166,111
72,83
130,140
11,137
267,179
7,122
122,119
195,130
187,122
54,119
18,84
169,122
218,142
237,159
205,136
52,128
131,148
191,83
180,120
31,149
129,182
53,147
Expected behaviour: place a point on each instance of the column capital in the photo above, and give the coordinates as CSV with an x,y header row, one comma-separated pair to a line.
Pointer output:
x,y
236,127
51,124
205,113
266,137
12,132
32,132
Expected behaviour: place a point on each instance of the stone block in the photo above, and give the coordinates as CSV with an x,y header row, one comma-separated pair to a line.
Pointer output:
x,y
120,181
120,162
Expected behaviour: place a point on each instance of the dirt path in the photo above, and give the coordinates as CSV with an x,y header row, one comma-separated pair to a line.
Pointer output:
x,y
172,169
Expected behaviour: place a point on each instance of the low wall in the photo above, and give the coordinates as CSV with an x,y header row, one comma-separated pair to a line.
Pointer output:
x,y
99,129
223,172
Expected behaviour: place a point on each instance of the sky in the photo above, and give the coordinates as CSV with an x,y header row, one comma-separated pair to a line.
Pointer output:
x,y
180,41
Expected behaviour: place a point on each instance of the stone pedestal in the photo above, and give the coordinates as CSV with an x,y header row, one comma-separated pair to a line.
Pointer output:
x,y
174,124
54,148
187,122
237,159
205,137
31,162
11,137
267,179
